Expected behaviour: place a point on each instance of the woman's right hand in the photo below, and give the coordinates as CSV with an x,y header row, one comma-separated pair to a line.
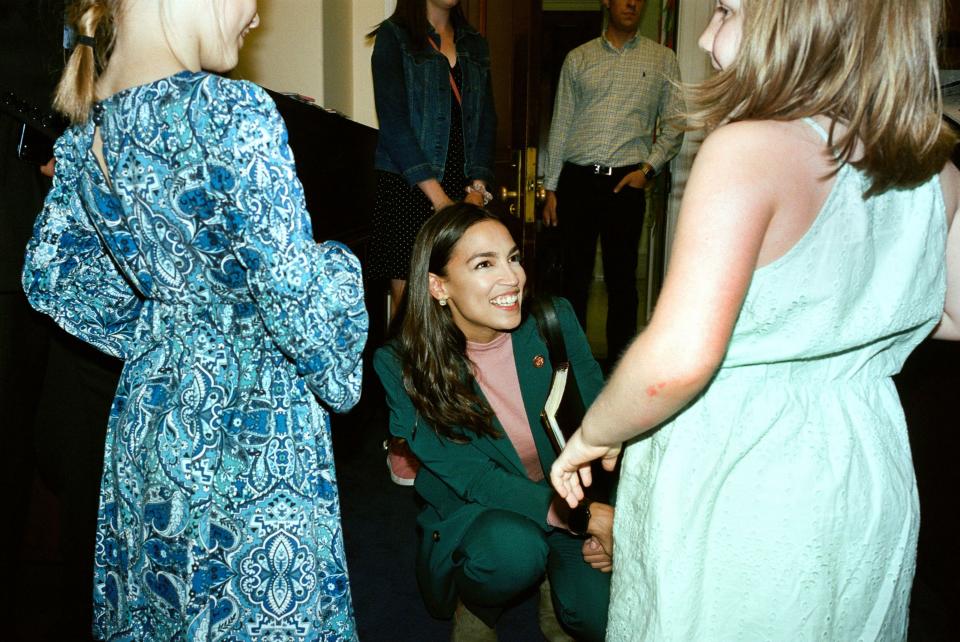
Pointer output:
x,y
441,203
432,189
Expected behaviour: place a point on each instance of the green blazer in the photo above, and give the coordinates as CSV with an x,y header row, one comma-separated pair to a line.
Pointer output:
x,y
458,481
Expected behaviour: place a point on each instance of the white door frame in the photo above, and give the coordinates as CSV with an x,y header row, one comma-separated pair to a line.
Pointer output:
x,y
694,67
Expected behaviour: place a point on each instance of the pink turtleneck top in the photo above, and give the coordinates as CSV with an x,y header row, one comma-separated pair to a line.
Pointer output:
x,y
496,373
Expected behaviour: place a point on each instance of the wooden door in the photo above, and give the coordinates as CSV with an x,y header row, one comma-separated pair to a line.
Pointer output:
x,y
512,27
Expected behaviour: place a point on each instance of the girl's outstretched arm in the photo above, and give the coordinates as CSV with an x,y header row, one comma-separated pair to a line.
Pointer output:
x,y
729,201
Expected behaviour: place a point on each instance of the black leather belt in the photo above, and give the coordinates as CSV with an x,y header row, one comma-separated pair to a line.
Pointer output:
x,y
602,170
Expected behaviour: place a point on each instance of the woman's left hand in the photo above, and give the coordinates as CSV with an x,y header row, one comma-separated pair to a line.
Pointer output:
x,y
600,526
595,556
573,465
474,198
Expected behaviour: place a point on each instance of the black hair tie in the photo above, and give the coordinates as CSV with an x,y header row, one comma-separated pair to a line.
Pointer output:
x,y
89,41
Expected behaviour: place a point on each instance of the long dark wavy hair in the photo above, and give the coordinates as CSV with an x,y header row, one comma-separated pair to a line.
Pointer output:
x,y
412,16
437,375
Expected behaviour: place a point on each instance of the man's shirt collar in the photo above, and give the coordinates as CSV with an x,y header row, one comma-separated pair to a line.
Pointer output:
x,y
629,44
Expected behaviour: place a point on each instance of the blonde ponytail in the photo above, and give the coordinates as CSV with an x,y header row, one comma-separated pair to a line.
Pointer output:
x,y
76,92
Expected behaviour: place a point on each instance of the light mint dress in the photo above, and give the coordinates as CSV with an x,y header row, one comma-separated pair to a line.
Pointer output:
x,y
782,504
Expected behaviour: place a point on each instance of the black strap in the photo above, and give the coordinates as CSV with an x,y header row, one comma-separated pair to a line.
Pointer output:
x,y
545,314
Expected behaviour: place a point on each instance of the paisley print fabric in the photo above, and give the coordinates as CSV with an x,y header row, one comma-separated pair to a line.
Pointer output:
x,y
191,258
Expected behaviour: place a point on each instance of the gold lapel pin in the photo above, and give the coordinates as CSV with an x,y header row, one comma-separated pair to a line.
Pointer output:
x,y
538,361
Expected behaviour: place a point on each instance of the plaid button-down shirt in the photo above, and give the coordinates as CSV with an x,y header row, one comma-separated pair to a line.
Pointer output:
x,y
610,104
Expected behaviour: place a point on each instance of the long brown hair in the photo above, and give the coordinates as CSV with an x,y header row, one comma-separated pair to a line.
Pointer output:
x,y
412,16
869,64
437,375
76,91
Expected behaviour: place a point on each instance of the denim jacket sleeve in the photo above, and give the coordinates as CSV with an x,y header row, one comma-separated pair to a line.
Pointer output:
x,y
481,165
390,95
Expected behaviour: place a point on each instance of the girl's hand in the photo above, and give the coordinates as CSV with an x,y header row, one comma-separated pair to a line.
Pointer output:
x,y
573,464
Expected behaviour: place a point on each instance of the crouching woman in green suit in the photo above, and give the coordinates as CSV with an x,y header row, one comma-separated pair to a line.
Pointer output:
x,y
466,378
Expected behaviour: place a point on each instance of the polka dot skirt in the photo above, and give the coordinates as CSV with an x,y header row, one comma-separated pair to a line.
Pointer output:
x,y
400,210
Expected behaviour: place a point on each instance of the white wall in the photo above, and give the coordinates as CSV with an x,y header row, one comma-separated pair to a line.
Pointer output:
x,y
317,48
694,68
286,52
367,14
337,33
348,83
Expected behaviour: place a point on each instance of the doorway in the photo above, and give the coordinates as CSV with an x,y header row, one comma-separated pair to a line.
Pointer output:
x,y
529,40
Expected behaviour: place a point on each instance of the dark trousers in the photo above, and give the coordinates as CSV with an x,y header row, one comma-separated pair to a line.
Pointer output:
x,y
55,395
588,208
503,554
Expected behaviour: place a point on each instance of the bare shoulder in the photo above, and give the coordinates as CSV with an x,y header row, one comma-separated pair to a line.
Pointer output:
x,y
767,139
765,178
761,145
753,154
950,184
777,152
735,171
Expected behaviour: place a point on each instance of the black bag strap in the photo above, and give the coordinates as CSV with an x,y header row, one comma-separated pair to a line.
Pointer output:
x,y
545,314
548,323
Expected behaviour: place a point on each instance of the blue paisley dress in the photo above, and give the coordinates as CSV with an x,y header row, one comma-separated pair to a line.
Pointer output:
x,y
191,258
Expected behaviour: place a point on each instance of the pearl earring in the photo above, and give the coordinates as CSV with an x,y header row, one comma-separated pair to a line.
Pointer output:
x,y
443,301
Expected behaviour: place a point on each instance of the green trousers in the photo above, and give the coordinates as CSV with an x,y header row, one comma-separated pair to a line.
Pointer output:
x,y
503,555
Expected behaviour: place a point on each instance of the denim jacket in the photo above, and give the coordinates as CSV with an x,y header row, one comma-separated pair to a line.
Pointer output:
x,y
412,93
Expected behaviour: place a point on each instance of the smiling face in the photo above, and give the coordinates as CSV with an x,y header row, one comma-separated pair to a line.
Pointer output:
x,y
483,282
721,38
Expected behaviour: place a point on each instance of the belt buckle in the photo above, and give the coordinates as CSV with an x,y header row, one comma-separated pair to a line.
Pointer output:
x,y
600,170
